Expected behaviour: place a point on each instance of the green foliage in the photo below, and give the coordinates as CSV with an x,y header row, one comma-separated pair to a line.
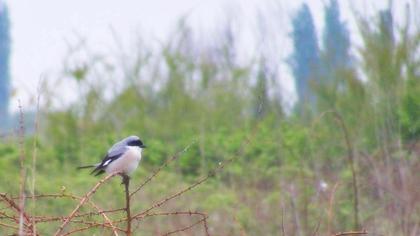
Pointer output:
x,y
409,112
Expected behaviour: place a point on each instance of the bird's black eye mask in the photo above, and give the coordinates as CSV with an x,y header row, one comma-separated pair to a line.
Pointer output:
x,y
137,143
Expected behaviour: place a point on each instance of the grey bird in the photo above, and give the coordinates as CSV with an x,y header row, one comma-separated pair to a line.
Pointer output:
x,y
123,158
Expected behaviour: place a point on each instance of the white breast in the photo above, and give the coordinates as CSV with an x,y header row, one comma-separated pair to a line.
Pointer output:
x,y
127,163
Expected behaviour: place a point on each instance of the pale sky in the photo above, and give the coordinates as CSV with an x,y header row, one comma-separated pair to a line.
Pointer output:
x,y
41,28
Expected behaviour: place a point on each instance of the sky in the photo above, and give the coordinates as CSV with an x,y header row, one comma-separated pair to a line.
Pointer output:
x,y
41,30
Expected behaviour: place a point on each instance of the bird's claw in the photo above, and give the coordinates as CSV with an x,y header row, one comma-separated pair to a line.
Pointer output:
x,y
125,179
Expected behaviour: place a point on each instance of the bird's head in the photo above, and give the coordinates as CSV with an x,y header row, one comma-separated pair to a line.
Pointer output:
x,y
134,141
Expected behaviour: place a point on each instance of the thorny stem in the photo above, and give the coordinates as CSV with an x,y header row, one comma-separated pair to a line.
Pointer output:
x,y
174,157
82,202
351,233
126,182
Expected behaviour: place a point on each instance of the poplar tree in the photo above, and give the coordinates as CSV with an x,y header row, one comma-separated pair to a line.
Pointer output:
x,y
336,43
305,58
4,63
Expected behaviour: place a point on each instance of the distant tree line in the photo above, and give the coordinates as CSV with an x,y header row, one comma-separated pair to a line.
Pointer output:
x,y
4,64
313,64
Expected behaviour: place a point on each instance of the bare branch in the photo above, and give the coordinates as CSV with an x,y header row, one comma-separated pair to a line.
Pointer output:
x,y
351,233
174,157
82,202
15,206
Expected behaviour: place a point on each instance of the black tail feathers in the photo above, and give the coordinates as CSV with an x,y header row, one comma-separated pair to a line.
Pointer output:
x,y
97,171
84,167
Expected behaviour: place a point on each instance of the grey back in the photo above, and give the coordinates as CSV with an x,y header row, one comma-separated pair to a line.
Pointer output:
x,y
120,147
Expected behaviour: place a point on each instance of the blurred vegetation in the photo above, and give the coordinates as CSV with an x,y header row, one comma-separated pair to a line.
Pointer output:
x,y
284,180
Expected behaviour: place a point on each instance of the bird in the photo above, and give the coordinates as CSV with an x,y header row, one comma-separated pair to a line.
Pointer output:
x,y
122,158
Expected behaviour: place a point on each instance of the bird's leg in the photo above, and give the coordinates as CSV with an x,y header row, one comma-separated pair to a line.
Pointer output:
x,y
125,179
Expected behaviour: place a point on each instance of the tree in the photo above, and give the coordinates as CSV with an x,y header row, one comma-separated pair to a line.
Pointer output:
x,y
386,25
337,74
336,43
4,63
261,99
305,58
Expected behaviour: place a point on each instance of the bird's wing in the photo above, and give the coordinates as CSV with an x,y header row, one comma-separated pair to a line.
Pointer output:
x,y
117,148
113,154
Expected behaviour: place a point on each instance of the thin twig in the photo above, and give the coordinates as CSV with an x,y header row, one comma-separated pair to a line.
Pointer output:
x,y
15,206
88,227
101,212
244,144
174,157
41,219
158,204
85,198
8,226
12,218
351,233
185,228
189,213
206,227
93,224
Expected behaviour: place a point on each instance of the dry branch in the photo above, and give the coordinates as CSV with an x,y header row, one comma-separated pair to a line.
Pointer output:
x,y
82,202
41,219
9,226
99,211
244,144
203,219
87,228
185,228
173,158
189,213
351,233
14,205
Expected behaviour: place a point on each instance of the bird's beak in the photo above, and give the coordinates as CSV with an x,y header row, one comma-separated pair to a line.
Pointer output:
x,y
143,146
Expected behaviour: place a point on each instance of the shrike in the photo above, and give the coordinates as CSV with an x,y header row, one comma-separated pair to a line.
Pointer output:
x,y
123,157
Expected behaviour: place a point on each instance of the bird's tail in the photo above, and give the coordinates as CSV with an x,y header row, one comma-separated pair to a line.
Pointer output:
x,y
84,167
